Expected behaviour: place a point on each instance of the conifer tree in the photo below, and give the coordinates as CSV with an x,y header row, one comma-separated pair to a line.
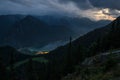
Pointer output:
x,y
3,74
12,67
68,60
30,72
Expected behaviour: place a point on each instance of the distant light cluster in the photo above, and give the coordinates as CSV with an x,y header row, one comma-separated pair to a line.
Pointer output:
x,y
42,52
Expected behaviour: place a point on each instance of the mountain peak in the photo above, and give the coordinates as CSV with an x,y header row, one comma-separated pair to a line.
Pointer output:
x,y
32,20
29,16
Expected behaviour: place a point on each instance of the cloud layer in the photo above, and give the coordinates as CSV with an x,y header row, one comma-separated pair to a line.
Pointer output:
x,y
93,9
113,4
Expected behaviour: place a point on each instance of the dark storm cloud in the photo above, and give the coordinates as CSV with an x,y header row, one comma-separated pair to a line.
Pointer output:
x,y
113,4
82,4
73,8
38,7
42,6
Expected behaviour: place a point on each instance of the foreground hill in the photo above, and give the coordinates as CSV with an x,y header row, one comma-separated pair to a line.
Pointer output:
x,y
105,66
17,66
63,60
90,44
8,52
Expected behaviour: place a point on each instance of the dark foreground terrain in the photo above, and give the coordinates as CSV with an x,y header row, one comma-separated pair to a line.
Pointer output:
x,y
94,56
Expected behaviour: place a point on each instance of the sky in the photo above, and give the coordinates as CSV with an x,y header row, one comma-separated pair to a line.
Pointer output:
x,y
92,9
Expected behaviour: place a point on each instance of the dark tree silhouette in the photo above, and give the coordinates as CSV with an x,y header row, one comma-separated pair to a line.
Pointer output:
x,y
30,71
69,58
12,73
3,74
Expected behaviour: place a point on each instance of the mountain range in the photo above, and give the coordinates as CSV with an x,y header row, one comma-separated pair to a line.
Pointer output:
x,y
93,36
39,31
63,59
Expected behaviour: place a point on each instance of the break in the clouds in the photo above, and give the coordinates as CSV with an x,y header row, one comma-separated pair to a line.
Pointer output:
x,y
92,9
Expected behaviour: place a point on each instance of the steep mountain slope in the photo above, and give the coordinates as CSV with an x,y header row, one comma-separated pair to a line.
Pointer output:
x,y
96,34
105,66
75,52
92,36
6,22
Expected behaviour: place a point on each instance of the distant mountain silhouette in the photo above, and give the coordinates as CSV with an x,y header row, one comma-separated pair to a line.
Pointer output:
x,y
31,31
7,21
39,31
78,25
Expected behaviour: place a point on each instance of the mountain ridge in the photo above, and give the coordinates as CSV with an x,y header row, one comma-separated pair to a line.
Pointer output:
x,y
61,26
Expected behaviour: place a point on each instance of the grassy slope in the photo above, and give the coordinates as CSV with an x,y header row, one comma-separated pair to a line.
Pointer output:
x,y
108,69
37,59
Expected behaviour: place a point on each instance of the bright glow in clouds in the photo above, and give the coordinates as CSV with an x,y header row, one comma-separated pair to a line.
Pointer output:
x,y
46,7
103,14
93,14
